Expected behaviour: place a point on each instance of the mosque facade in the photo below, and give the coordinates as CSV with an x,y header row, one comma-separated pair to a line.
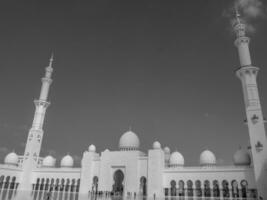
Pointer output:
x,y
129,172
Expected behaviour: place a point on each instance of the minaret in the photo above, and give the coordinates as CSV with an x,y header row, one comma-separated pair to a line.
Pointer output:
x,y
35,136
247,73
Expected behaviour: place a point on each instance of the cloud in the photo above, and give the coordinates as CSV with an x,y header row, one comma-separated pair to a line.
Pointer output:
x,y
250,8
251,12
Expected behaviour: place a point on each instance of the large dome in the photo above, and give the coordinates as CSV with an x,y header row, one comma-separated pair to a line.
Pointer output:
x,y
67,161
49,161
11,159
207,158
241,157
129,141
176,159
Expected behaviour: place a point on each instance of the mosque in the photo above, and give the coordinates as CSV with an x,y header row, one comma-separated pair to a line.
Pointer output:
x,y
129,172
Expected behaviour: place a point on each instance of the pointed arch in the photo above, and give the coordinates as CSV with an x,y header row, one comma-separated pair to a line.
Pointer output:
x,y
225,188
173,187
235,189
198,188
190,191
207,191
216,188
2,181
181,188
244,188
143,186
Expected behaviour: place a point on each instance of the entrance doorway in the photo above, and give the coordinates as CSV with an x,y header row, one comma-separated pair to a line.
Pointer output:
x,y
117,187
143,186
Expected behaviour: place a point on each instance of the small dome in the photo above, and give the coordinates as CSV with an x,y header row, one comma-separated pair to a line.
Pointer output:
x,y
241,157
67,161
207,158
129,141
11,159
176,159
167,150
49,161
92,148
156,145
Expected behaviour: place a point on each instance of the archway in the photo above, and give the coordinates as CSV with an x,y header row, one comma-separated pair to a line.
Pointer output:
x,y
173,188
95,185
118,178
235,190
143,186
244,187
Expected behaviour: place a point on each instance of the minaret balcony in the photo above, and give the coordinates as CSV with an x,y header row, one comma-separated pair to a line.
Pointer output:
x,y
41,103
240,40
247,70
46,79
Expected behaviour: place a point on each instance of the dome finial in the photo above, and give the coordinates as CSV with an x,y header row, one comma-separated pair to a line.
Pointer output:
x,y
130,128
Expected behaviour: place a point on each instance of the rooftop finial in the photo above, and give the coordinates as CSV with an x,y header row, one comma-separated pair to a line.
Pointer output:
x,y
130,128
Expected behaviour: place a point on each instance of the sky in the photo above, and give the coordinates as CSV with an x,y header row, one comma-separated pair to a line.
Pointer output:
x,y
164,68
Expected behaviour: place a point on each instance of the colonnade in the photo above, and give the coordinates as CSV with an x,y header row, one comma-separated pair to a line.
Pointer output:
x,y
56,189
214,189
8,187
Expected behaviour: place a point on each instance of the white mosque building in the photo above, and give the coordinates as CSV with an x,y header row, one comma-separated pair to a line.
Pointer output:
x,y
129,172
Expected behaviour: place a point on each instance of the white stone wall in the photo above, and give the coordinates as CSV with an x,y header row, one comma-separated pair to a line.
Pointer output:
x,y
56,173
10,170
156,164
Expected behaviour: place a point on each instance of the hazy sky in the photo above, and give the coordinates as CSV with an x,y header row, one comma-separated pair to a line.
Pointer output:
x,y
165,68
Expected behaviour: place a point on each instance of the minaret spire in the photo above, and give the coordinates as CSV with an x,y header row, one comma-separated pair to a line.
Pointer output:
x,y
35,136
242,41
51,59
247,73
237,15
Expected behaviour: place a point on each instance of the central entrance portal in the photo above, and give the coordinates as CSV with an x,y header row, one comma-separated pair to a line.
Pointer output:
x,y
117,188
